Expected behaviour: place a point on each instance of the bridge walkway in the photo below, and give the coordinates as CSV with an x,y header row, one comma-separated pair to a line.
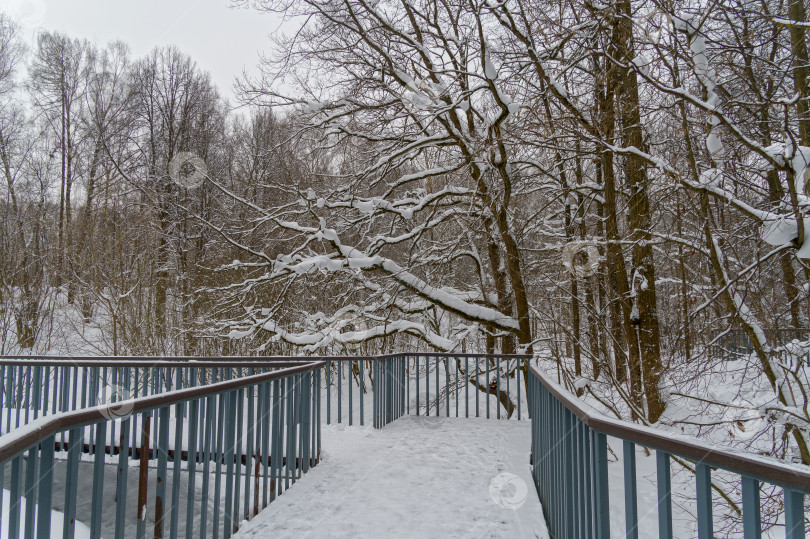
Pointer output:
x,y
416,477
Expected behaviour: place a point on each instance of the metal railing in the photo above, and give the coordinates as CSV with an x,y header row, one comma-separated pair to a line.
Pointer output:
x,y
249,439
570,470
155,412
734,344
427,384
450,385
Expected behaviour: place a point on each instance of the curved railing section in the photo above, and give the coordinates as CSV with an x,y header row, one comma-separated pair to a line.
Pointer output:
x,y
570,469
244,442
245,427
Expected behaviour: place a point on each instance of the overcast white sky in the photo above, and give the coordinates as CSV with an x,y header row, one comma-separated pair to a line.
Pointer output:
x,y
222,40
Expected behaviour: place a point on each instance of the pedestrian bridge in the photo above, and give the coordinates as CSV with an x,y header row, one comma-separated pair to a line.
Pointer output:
x,y
395,445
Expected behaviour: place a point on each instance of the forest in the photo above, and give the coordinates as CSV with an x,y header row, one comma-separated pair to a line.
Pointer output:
x,y
619,188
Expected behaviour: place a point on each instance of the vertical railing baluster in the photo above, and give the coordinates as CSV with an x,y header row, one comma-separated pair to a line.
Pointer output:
x,y
209,413
230,435
416,360
114,397
250,449
477,391
2,493
350,382
71,483
318,417
98,483
15,497
703,479
602,500
508,392
569,482
30,490
794,514
238,455
488,362
289,402
10,396
295,419
191,464
630,490
306,383
221,402
362,390
162,448
466,386
275,443
75,391
266,411
242,456
664,482
587,434
45,387
135,438
438,394
177,465
517,378
427,387
447,386
45,488
498,385
752,520
121,480
36,399
18,395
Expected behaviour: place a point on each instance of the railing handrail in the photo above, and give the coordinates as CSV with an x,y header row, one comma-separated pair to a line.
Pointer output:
x,y
234,361
155,362
747,464
40,429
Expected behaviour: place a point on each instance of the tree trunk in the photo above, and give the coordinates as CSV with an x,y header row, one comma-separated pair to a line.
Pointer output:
x,y
639,218
615,258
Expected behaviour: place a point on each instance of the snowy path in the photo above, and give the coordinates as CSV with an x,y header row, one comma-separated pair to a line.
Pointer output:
x,y
417,477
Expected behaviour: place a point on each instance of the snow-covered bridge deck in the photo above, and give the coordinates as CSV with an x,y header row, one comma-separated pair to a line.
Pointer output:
x,y
416,477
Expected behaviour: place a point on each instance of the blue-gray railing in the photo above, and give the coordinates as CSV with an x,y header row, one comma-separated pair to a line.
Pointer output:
x,y
451,385
148,409
734,344
257,435
570,469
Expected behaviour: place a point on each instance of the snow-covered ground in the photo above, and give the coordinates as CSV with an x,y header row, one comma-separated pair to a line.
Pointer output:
x,y
417,477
